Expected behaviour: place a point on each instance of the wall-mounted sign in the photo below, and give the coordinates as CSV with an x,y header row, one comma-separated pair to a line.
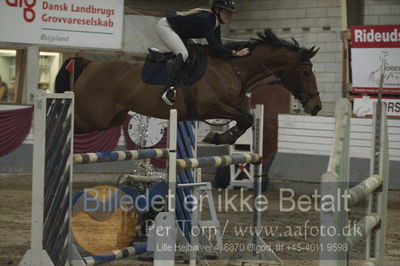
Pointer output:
x,y
364,106
77,23
369,46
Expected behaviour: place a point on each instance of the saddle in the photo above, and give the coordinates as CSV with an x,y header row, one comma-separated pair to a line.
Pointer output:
x,y
155,67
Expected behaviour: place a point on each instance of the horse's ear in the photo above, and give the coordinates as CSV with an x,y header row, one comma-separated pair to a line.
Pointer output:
x,y
295,42
312,52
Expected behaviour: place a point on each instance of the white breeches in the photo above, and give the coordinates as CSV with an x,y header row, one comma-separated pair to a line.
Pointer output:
x,y
171,40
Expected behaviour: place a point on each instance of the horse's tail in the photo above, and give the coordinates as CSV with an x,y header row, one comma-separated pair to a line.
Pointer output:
x,y
62,82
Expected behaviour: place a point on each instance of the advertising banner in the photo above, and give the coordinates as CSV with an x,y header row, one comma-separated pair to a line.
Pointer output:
x,y
369,46
74,23
364,106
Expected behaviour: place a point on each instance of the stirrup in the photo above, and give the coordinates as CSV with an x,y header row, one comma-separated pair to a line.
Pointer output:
x,y
171,99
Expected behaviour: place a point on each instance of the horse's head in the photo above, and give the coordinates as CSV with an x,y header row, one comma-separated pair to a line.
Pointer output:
x,y
290,65
301,82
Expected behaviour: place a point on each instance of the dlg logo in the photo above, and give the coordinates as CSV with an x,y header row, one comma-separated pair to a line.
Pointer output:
x,y
27,5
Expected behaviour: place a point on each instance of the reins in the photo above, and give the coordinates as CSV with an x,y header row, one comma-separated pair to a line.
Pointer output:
x,y
298,94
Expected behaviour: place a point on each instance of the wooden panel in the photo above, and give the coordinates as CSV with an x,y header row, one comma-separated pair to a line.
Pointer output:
x,y
308,152
312,141
361,121
359,135
367,136
394,131
394,152
394,123
306,125
305,146
330,120
305,139
358,128
394,145
305,132
306,118
314,136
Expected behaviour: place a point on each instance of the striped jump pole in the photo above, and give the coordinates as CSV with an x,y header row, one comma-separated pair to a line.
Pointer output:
x,y
367,186
143,179
115,255
102,157
216,161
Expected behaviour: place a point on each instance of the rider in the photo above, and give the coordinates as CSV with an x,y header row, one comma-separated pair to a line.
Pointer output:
x,y
197,23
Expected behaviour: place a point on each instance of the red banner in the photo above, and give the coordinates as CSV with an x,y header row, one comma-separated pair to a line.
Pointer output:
x,y
375,36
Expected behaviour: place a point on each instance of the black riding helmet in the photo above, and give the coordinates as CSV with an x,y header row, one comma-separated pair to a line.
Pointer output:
x,y
224,4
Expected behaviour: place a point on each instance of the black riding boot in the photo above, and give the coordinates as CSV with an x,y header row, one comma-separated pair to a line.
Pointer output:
x,y
168,94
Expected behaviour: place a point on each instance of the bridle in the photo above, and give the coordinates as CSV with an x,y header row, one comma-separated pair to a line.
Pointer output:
x,y
297,93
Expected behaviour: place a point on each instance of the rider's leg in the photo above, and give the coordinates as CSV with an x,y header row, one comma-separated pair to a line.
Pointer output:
x,y
169,92
174,43
171,39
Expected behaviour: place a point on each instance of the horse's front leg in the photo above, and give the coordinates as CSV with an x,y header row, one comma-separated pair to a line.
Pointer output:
x,y
243,119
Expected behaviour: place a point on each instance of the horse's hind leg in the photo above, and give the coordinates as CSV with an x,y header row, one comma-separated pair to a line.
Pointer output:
x,y
243,119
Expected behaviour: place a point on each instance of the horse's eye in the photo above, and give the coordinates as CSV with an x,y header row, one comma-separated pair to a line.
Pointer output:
x,y
306,73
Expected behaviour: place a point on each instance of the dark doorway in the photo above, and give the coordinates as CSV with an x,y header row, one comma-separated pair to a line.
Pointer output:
x,y
276,100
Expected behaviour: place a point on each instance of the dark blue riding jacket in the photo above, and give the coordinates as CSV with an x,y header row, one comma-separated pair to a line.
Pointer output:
x,y
199,25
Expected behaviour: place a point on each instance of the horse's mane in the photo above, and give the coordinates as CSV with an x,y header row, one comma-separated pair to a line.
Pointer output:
x,y
267,37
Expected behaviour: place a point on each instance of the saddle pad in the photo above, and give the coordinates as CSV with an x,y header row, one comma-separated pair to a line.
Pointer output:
x,y
156,73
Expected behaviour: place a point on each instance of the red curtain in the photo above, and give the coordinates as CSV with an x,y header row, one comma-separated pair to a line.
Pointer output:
x,y
16,124
14,128
98,141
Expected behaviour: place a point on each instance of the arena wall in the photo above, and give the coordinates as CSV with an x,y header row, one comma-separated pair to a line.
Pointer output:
x,y
377,12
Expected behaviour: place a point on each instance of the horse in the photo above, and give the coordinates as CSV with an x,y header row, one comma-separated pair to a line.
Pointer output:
x,y
106,91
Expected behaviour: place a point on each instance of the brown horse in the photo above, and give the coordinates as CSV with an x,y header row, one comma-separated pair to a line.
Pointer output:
x,y
106,91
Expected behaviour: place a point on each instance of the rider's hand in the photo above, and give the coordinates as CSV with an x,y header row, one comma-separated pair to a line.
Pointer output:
x,y
242,52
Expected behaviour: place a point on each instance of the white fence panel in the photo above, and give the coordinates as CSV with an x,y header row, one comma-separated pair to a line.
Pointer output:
x,y
314,136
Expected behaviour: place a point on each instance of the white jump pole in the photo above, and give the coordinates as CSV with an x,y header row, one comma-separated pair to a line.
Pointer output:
x,y
164,255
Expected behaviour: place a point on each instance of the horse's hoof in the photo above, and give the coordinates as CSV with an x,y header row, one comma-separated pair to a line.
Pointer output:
x,y
212,138
226,139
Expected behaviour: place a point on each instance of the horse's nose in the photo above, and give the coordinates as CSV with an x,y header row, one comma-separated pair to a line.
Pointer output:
x,y
316,109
